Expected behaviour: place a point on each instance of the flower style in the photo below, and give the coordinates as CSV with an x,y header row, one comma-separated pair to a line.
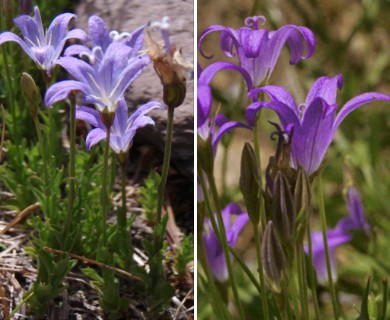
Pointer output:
x,y
258,49
341,234
123,128
213,247
313,124
102,84
101,38
44,48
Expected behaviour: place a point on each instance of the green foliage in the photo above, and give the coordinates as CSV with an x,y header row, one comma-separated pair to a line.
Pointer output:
x,y
148,195
184,254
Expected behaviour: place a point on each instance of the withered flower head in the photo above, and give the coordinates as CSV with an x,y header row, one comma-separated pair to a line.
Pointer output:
x,y
168,62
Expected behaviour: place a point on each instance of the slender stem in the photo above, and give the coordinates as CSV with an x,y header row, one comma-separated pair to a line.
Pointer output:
x,y
167,157
301,282
104,195
245,268
42,149
327,255
312,275
72,165
121,218
224,243
264,300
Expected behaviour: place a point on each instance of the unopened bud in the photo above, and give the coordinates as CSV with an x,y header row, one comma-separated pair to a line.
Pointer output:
x,y
283,209
274,259
302,199
30,92
107,118
174,92
205,155
250,183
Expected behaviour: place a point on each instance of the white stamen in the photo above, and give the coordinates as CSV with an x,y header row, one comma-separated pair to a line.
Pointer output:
x,y
161,25
91,57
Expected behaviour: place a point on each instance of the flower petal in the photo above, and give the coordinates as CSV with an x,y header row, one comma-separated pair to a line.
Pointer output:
x,y
99,33
31,29
357,102
60,91
136,41
90,116
58,29
325,88
311,140
11,37
143,110
228,38
95,136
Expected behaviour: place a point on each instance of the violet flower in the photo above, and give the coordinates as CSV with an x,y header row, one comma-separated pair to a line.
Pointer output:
x,y
44,48
123,128
102,84
101,38
341,234
312,124
213,247
335,239
355,220
258,49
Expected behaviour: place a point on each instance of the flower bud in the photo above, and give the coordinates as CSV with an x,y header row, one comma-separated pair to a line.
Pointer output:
x,y
250,183
274,259
283,209
302,200
30,92
205,155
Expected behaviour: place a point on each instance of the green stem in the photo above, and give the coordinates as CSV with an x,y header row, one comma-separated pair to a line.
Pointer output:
x,y
301,282
165,169
264,300
104,195
224,243
312,275
121,218
42,149
245,268
72,165
327,255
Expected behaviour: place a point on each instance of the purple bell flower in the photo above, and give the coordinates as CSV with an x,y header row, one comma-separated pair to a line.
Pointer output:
x,y
43,47
213,247
123,128
338,236
259,49
312,124
102,84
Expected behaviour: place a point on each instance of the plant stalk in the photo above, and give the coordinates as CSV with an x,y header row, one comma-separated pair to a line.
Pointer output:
x,y
72,165
165,169
327,255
